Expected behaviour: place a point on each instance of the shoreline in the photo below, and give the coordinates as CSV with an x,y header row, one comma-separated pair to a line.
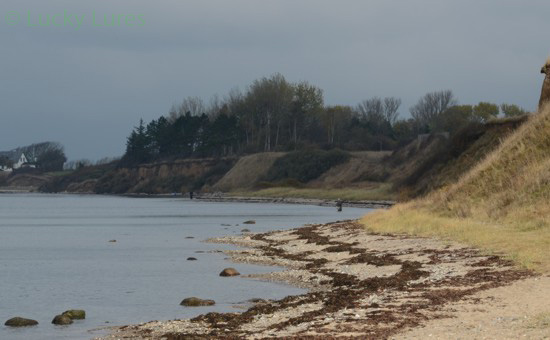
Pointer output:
x,y
17,190
304,201
371,204
360,285
222,197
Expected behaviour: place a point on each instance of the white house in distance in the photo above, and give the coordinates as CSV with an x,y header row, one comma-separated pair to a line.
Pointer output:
x,y
22,162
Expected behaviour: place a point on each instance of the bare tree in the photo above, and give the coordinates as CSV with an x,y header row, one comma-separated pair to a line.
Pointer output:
x,y
334,119
432,105
241,105
372,109
192,105
234,100
391,105
307,101
271,98
215,107
377,110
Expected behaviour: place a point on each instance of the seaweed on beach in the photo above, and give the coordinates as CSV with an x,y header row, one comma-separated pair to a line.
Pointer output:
x,y
403,298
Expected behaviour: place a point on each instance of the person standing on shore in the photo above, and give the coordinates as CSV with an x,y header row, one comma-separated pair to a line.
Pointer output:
x,y
339,204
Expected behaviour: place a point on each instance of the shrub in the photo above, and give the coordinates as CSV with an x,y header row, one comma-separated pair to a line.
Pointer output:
x,y
305,165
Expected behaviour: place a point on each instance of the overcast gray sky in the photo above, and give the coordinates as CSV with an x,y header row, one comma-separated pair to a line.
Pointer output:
x,y
86,86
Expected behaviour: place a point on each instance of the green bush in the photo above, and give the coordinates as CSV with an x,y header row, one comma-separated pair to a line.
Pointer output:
x,y
305,165
213,175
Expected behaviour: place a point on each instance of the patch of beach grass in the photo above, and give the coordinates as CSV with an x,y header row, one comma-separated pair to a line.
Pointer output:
x,y
540,321
526,247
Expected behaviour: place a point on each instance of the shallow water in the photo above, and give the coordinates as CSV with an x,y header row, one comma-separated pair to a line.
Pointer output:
x,y
55,255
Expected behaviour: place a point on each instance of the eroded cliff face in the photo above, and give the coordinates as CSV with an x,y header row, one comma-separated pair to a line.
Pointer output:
x,y
29,181
190,168
178,176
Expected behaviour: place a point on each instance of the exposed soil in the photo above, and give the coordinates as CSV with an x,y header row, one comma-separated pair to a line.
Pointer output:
x,y
361,285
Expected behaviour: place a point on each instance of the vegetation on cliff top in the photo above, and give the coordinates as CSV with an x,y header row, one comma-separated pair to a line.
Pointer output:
x,y
276,115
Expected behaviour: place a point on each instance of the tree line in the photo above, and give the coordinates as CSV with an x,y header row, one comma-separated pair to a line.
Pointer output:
x,y
273,114
45,156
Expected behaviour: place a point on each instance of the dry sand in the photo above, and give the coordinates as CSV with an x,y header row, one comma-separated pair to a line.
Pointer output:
x,y
370,286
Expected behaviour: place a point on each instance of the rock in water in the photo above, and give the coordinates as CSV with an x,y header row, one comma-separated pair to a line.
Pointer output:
x,y
191,259
75,314
62,320
196,302
249,222
230,272
245,231
20,322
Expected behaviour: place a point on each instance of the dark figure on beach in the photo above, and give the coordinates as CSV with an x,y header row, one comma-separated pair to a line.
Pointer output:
x,y
339,204
190,195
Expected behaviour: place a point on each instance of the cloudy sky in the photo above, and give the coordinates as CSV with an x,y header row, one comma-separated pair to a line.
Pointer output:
x,y
87,85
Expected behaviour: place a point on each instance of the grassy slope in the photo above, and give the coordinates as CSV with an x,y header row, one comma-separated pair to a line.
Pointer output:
x,y
343,181
377,192
438,162
502,205
247,171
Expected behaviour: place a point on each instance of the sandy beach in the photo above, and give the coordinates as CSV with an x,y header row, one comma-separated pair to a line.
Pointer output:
x,y
364,285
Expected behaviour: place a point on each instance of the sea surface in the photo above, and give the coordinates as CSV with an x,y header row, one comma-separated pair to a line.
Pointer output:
x,y
55,255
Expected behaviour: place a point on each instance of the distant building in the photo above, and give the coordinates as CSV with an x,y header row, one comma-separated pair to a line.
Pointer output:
x,y
5,168
22,162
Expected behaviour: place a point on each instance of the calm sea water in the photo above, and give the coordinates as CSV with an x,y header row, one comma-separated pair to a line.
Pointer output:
x,y
55,255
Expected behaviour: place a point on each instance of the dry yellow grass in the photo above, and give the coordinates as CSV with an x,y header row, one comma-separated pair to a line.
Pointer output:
x,y
540,321
528,248
502,205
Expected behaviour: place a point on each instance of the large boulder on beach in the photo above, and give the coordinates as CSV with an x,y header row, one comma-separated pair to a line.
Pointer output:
x,y
230,272
75,314
62,320
20,322
196,302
